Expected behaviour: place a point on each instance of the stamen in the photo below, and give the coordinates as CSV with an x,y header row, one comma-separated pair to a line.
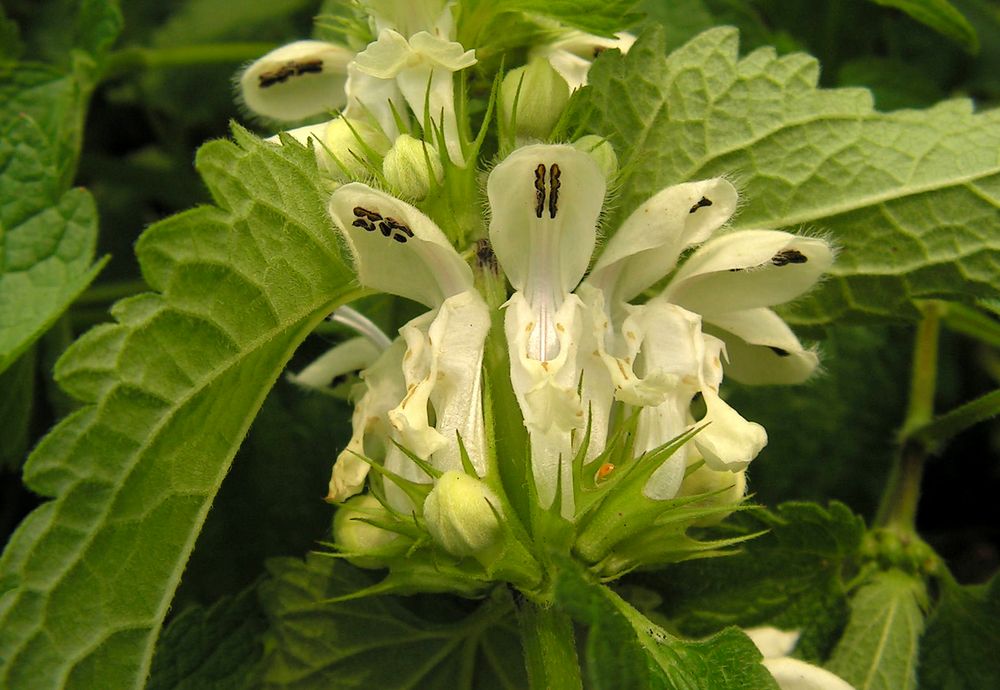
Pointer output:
x,y
539,190
388,226
485,258
778,351
554,184
789,256
360,323
701,203
289,69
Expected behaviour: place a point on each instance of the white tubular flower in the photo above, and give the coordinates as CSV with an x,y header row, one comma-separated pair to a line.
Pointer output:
x,y
296,81
422,68
792,674
410,16
572,55
397,249
726,287
545,202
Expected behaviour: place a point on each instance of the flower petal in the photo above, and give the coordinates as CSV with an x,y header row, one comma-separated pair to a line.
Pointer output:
x,y
793,674
545,201
375,98
296,81
447,54
397,248
761,349
748,269
547,393
729,442
572,55
773,642
384,387
351,355
386,56
648,243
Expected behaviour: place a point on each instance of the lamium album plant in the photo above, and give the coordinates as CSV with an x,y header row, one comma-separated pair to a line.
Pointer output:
x,y
611,344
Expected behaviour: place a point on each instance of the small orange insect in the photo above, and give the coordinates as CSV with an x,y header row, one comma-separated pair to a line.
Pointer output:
x,y
603,471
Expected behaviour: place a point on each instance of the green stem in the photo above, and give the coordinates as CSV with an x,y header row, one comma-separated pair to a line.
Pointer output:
x,y
135,59
898,507
549,647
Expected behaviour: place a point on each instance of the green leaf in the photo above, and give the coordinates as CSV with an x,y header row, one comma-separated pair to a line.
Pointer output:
x,y
271,502
879,648
941,16
626,651
856,400
378,642
602,17
789,578
959,648
17,402
910,198
47,239
217,648
171,389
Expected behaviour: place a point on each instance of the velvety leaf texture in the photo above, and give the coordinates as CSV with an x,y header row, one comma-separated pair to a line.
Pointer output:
x,y
959,649
879,648
788,578
910,198
47,238
169,389
627,651
377,642
603,17
941,16
217,648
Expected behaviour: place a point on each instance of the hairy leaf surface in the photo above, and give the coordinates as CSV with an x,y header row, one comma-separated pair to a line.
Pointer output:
x,y
376,642
170,390
880,645
789,578
959,649
627,651
910,197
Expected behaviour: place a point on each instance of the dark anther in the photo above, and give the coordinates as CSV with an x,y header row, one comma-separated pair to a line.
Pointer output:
x,y
789,256
276,76
309,67
539,190
485,258
778,351
554,185
399,238
396,225
362,223
360,212
701,203
385,229
735,270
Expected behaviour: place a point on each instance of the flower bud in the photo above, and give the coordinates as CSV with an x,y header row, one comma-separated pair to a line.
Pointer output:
x,y
409,166
601,151
460,514
364,543
726,488
348,141
541,99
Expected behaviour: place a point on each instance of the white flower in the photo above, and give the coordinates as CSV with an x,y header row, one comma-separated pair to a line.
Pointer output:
x,y
545,202
792,674
727,287
572,54
436,365
422,67
297,80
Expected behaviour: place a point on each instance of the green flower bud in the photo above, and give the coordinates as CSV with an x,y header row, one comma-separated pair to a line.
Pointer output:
x,y
364,543
409,165
601,151
350,141
460,514
540,102
727,489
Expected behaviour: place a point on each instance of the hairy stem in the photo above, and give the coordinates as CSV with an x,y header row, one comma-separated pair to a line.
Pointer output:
x,y
135,59
898,507
549,647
